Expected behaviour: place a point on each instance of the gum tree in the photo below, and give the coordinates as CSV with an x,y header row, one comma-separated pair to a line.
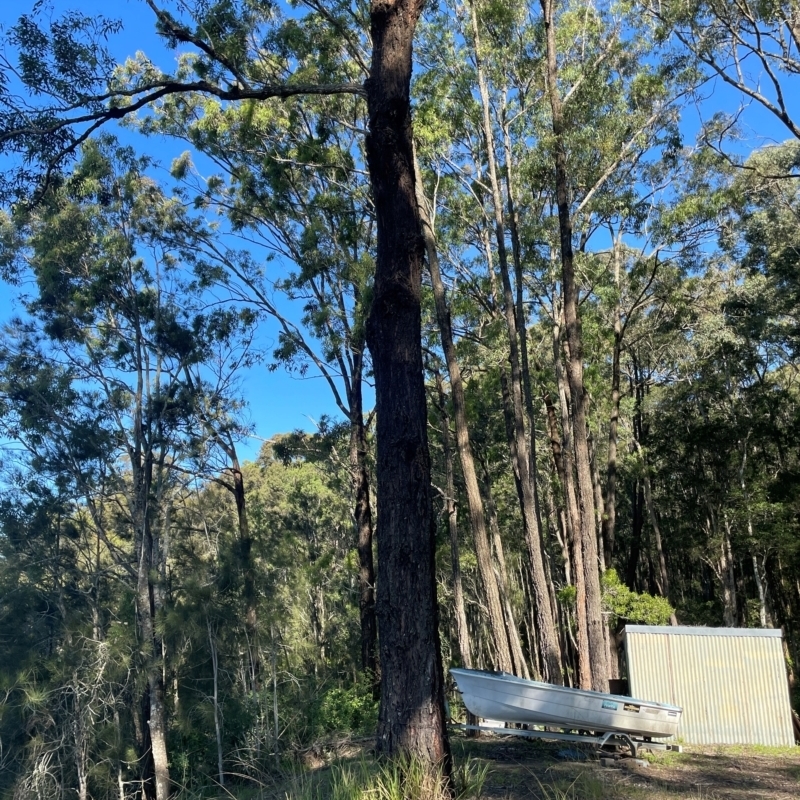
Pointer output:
x,y
237,61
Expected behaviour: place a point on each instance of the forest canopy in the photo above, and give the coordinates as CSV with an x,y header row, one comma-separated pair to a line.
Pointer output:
x,y
543,256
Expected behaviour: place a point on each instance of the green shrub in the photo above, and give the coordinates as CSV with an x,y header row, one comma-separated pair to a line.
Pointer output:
x,y
347,711
631,606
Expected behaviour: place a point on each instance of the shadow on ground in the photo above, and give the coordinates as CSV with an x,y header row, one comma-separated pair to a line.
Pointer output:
x,y
531,770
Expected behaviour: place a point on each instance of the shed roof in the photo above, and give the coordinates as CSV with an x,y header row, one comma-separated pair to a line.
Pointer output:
x,y
688,630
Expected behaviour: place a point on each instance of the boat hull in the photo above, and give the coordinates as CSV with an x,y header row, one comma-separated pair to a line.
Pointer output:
x,y
499,696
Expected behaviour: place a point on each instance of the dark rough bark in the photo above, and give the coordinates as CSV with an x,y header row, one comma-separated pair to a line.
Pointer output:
x,y
637,525
557,511
362,514
553,434
508,419
598,504
411,717
597,640
249,592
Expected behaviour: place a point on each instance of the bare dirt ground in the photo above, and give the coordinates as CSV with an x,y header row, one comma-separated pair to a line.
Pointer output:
x,y
530,770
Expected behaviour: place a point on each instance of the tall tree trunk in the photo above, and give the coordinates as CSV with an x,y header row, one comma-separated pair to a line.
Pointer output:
x,y
519,307
274,672
545,620
248,574
153,754
610,517
597,640
783,607
557,522
520,662
474,503
155,724
212,644
598,504
412,716
559,511
511,439
763,615
494,525
452,527
522,332
582,647
727,578
363,518
637,526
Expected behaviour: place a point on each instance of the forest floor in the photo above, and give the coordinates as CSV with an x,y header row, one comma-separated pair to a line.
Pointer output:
x,y
518,769
529,770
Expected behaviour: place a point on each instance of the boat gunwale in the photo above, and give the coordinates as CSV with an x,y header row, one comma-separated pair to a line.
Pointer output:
x,y
505,677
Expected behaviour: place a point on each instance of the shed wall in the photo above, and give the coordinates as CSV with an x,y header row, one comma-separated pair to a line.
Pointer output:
x,y
730,682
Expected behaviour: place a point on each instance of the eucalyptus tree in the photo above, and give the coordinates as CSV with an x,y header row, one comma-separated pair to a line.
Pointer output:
x,y
294,187
95,378
718,391
752,47
523,447
648,95
454,138
237,61
488,147
503,626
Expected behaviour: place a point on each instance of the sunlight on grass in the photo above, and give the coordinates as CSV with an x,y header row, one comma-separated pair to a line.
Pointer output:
x,y
584,787
394,780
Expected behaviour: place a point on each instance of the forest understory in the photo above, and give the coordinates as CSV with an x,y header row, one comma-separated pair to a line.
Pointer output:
x,y
542,257
526,770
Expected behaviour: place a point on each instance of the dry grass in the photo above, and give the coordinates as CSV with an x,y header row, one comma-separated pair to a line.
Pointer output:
x,y
505,768
525,770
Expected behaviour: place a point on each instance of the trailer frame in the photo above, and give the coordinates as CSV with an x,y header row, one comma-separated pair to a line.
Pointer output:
x,y
633,743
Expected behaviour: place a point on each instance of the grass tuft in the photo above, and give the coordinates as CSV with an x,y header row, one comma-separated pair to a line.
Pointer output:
x,y
584,787
399,779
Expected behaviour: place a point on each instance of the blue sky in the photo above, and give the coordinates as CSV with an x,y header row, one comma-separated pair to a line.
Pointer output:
x,y
278,401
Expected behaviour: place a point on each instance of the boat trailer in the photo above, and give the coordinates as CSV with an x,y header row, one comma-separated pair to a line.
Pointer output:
x,y
633,743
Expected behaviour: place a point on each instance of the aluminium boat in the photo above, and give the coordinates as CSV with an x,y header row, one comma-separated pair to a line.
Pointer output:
x,y
500,696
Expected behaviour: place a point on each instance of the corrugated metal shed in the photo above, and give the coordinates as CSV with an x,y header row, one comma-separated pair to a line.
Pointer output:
x,y
731,682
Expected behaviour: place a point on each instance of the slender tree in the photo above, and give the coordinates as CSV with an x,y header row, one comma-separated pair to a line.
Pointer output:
x,y
412,701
